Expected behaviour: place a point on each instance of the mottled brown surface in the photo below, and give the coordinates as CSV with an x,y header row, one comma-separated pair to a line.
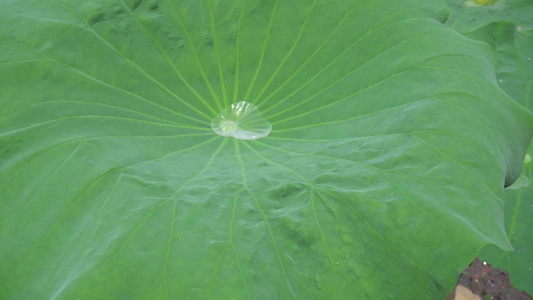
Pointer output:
x,y
490,283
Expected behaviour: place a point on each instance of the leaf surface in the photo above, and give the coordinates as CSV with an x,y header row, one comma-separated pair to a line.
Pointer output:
x,y
391,142
508,28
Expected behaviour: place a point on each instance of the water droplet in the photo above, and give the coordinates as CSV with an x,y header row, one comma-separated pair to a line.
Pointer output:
x,y
529,58
501,80
241,120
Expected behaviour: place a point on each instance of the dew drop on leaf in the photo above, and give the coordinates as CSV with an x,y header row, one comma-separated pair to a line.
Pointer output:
x,y
241,120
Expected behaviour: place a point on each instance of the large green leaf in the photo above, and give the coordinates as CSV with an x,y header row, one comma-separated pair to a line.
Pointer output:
x,y
391,143
507,27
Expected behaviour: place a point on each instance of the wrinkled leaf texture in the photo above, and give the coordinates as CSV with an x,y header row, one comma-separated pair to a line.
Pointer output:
x,y
381,179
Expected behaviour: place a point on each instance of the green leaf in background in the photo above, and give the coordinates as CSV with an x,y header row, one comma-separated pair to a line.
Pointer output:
x,y
518,224
507,26
381,179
